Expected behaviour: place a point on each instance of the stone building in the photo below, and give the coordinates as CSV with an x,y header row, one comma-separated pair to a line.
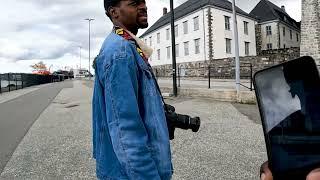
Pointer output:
x,y
203,31
310,25
275,28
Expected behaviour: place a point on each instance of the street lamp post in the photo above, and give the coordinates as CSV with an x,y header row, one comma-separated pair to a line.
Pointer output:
x,y
80,56
89,20
174,64
235,30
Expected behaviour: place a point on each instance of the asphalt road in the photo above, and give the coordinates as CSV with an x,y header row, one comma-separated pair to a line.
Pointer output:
x,y
18,115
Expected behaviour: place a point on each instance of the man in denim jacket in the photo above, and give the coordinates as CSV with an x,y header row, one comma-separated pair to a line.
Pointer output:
x,y
130,135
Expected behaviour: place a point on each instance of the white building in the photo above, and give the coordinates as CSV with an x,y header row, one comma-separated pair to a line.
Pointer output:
x,y
203,30
278,29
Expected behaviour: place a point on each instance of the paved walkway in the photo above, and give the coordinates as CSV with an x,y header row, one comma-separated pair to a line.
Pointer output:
x,y
18,111
7,96
58,145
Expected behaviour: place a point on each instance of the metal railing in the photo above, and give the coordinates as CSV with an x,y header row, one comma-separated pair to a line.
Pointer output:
x,y
14,81
209,73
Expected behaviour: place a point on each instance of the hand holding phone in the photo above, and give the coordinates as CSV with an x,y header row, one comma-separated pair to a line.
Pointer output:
x,y
289,103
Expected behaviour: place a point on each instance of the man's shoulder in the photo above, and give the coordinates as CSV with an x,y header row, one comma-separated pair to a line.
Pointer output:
x,y
114,47
114,42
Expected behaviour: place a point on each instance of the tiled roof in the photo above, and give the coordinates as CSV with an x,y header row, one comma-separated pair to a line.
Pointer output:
x,y
267,11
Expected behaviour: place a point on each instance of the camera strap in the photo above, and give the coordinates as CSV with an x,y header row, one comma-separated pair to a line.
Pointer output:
x,y
158,88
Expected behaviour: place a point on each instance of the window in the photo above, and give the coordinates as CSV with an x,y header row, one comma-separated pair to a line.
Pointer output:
x,y
186,48
150,40
246,49
227,22
268,30
145,41
185,27
284,31
176,29
269,46
297,37
158,38
197,46
168,52
228,46
158,51
284,46
177,50
196,23
290,34
168,33
246,31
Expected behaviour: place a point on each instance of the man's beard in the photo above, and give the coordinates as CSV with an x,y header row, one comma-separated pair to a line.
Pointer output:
x,y
143,26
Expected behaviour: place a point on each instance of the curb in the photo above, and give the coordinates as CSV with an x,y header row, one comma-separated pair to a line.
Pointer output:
x,y
245,97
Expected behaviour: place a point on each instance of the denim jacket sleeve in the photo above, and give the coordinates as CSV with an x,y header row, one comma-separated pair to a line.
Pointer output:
x,y
128,133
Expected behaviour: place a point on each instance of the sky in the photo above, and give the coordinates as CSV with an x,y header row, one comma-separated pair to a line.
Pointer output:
x,y
52,30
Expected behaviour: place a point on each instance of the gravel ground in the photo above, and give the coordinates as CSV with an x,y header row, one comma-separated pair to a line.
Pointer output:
x,y
227,146
58,146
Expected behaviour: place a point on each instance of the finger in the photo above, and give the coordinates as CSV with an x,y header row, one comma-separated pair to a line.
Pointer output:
x,y
265,172
314,175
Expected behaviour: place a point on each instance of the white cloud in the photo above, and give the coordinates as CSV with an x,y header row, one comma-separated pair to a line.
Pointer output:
x,y
51,31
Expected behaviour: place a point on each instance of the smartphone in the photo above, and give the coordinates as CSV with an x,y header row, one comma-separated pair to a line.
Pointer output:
x,y
288,97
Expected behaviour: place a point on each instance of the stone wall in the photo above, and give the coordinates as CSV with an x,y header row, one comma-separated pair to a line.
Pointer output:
x,y
310,29
258,39
225,68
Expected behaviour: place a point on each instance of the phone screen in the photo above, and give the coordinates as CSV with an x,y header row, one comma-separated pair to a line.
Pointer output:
x,y
289,103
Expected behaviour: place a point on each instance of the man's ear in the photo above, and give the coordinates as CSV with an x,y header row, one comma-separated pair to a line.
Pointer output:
x,y
113,12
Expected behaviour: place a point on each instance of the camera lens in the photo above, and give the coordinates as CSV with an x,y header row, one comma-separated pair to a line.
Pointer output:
x,y
195,124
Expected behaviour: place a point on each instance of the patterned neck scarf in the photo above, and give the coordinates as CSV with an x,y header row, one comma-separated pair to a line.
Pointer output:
x,y
130,37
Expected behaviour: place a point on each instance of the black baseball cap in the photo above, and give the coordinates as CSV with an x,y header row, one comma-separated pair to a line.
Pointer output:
x,y
108,3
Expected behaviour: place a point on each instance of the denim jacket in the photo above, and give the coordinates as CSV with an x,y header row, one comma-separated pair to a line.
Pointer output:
x,y
130,135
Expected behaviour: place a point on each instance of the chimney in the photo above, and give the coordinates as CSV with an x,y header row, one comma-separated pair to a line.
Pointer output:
x,y
283,8
165,11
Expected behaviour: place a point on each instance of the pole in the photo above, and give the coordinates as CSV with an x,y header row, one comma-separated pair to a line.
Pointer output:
x,y
9,82
209,77
89,49
179,76
236,41
22,80
16,81
89,20
174,64
251,77
80,57
0,85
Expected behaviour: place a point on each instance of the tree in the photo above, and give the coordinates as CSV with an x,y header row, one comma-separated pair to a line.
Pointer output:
x,y
39,66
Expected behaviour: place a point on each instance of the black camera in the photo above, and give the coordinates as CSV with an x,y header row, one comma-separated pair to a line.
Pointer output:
x,y
181,121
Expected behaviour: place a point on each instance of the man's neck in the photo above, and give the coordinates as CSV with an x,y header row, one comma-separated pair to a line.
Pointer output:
x,y
132,30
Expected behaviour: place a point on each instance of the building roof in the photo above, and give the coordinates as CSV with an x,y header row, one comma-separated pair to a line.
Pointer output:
x,y
267,11
189,7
